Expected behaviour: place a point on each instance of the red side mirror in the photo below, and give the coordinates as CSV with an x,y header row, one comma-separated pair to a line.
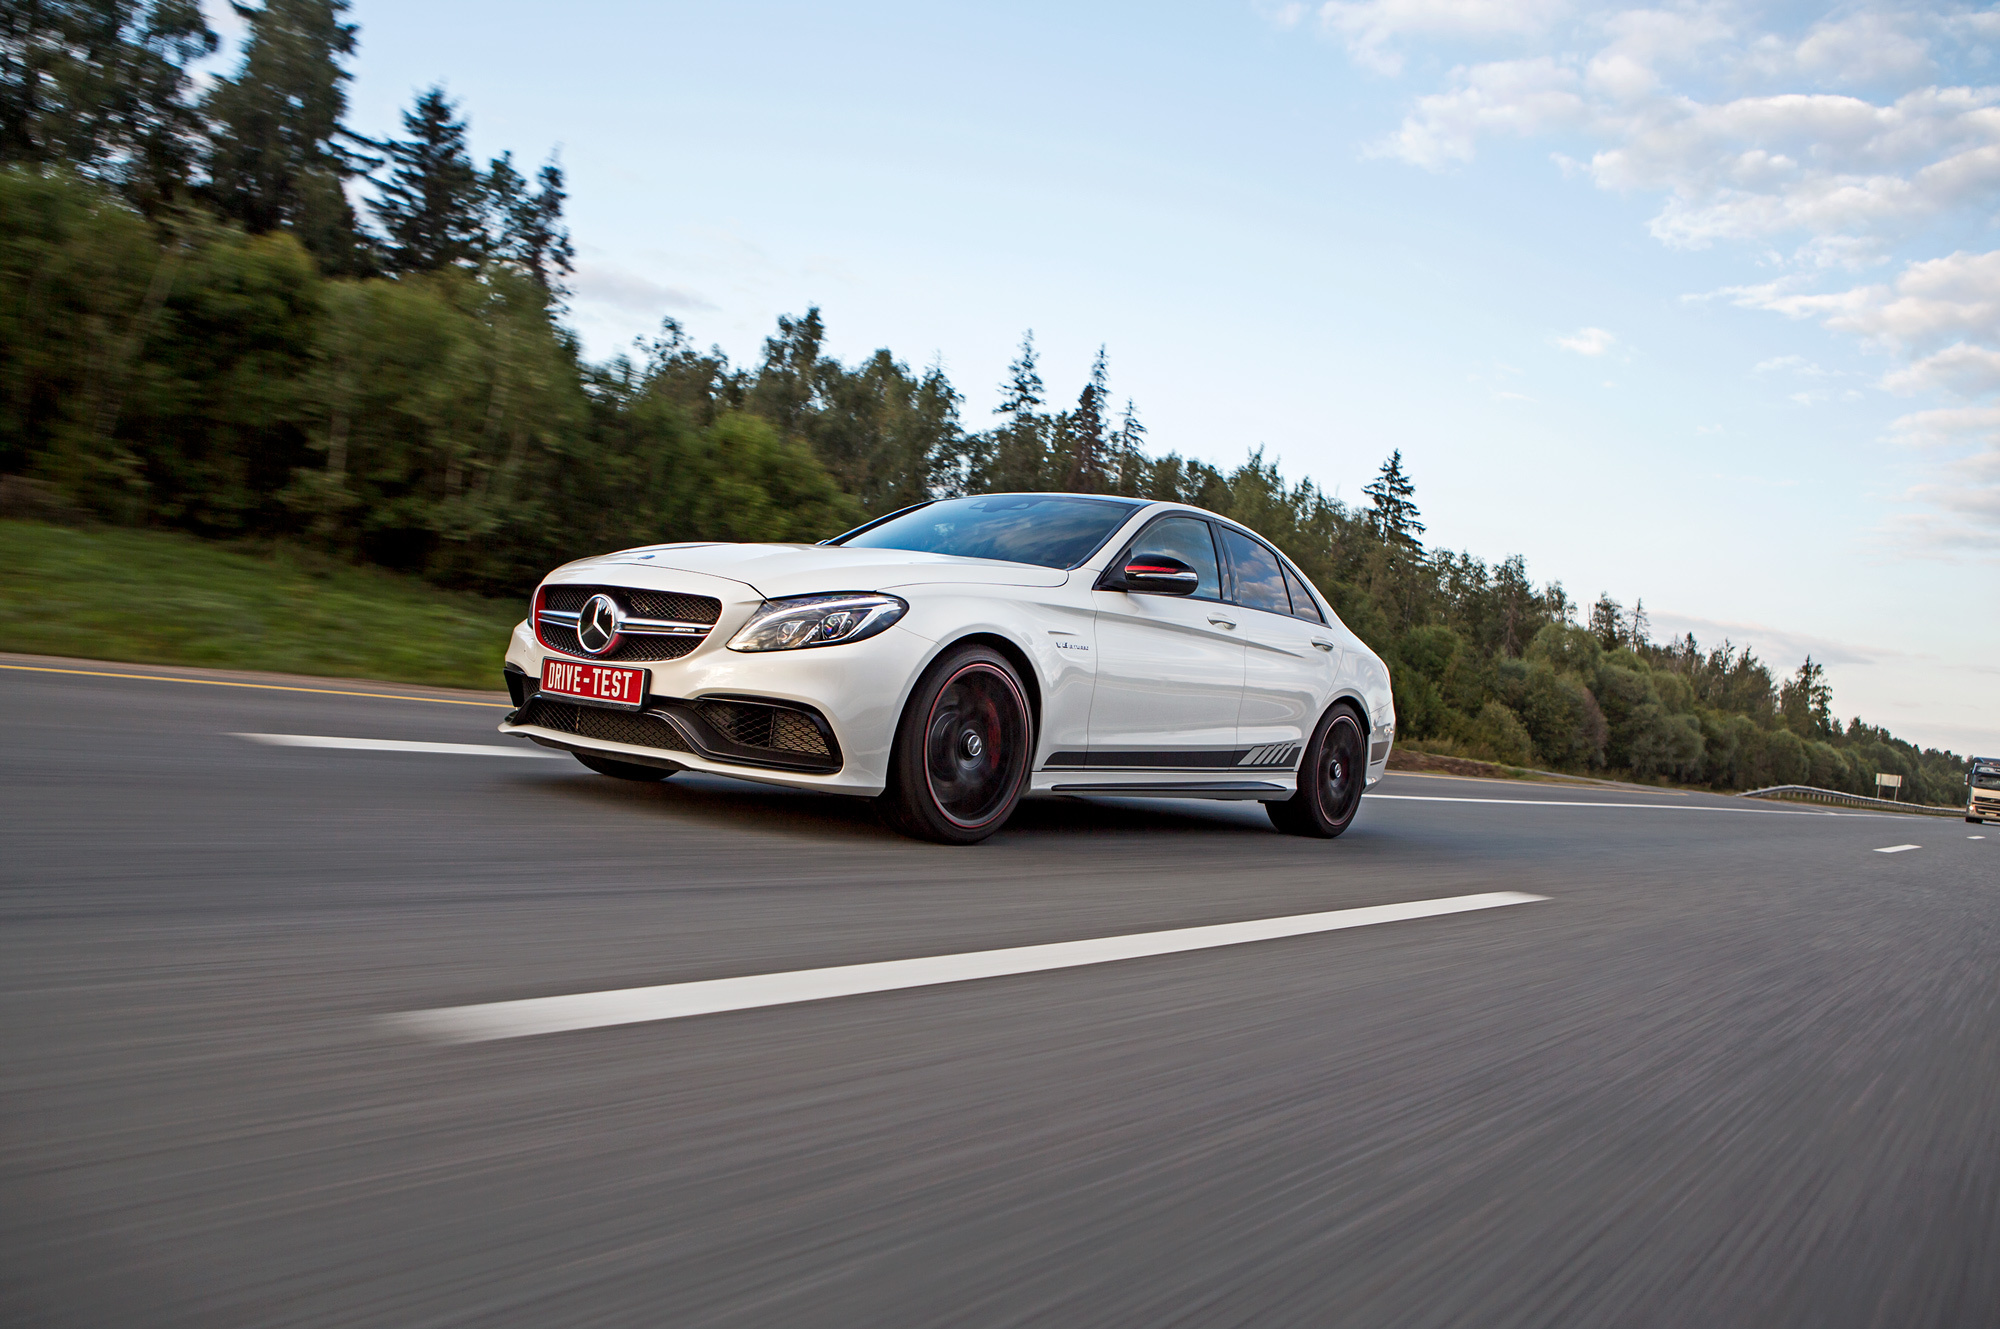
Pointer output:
x,y
1158,574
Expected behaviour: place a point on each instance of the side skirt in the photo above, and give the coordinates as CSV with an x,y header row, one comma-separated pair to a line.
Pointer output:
x,y
1260,790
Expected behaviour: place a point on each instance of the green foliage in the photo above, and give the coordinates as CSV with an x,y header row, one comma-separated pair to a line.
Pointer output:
x,y
433,205
277,154
1393,509
1562,718
1497,734
100,86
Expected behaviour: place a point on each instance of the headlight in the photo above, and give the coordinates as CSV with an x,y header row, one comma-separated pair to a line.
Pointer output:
x,y
817,620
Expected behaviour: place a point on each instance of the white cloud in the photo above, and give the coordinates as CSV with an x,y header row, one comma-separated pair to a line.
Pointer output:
x,y
1957,513
1517,97
602,284
1860,48
1931,303
1836,169
1948,426
1588,341
1796,364
1372,27
1969,371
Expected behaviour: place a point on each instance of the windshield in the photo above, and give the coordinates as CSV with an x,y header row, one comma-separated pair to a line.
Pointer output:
x,y
1053,531
1986,777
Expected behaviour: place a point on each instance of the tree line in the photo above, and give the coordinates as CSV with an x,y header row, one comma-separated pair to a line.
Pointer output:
x,y
200,329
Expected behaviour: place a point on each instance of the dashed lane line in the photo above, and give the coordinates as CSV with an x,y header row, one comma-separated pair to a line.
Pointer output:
x,y
673,1001
396,745
1898,848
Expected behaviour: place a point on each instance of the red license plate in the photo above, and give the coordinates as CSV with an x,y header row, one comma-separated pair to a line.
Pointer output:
x,y
601,685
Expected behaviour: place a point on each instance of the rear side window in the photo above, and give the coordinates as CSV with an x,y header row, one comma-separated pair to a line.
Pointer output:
x,y
1260,582
1303,604
1187,539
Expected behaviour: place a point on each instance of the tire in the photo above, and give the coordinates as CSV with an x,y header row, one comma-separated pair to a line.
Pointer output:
x,y
622,770
1977,821
1332,775
963,749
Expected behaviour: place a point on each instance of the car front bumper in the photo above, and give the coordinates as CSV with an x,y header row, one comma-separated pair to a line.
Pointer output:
x,y
852,693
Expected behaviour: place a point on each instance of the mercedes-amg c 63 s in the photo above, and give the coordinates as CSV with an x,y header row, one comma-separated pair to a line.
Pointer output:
x,y
949,658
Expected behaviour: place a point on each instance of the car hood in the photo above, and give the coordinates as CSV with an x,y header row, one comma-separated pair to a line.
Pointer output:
x,y
776,570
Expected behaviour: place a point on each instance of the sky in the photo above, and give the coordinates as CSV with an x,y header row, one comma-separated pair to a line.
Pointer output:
x,y
1697,304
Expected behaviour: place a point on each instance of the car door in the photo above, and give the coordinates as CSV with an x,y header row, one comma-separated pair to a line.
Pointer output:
x,y
1169,667
1290,658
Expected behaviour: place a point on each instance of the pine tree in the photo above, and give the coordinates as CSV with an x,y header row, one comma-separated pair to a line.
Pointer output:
x,y
1021,395
278,154
527,230
1128,451
1607,622
433,206
1394,513
1014,457
101,86
1639,629
1084,433
788,381
1806,701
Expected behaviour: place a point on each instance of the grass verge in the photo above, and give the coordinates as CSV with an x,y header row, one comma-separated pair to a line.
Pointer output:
x,y
159,597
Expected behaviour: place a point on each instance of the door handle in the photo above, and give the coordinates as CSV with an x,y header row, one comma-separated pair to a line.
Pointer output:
x,y
1222,622
1323,645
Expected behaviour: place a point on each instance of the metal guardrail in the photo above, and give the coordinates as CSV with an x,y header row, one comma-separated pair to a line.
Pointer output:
x,y
1805,793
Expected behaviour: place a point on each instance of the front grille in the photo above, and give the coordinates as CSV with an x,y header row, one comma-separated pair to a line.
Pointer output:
x,y
644,603
779,728
607,726
630,648
638,603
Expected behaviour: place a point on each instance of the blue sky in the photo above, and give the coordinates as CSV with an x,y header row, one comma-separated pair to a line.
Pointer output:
x,y
1699,304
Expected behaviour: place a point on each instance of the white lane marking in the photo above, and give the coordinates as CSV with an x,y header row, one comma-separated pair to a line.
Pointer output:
x,y
1975,837
673,1001
1898,848
395,745
1664,807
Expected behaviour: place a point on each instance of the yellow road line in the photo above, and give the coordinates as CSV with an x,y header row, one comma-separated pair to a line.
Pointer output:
x,y
266,687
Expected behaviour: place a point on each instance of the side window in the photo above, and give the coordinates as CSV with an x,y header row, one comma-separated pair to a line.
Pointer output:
x,y
1187,539
1260,582
1303,604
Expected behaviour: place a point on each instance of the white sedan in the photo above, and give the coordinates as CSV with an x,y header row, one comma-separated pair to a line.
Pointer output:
x,y
949,658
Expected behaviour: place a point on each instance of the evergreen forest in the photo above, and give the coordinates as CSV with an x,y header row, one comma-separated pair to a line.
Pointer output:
x,y
225,312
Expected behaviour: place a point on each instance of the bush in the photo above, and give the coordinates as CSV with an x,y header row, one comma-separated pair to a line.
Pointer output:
x,y
1497,734
1562,718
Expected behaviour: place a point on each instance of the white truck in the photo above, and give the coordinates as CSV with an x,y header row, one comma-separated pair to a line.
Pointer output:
x,y
1982,798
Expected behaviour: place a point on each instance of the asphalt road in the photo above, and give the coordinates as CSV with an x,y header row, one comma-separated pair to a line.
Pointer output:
x,y
1739,1068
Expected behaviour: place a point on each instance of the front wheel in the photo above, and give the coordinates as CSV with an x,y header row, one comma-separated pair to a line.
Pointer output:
x,y
962,750
1331,778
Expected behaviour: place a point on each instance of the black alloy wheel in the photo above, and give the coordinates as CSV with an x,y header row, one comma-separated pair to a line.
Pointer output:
x,y
962,750
1331,778
622,770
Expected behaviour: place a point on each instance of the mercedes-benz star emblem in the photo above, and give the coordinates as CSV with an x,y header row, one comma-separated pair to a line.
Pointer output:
x,y
597,626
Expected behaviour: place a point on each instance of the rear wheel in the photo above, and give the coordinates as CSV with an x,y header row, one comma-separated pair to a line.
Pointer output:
x,y
1331,778
962,750
622,770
